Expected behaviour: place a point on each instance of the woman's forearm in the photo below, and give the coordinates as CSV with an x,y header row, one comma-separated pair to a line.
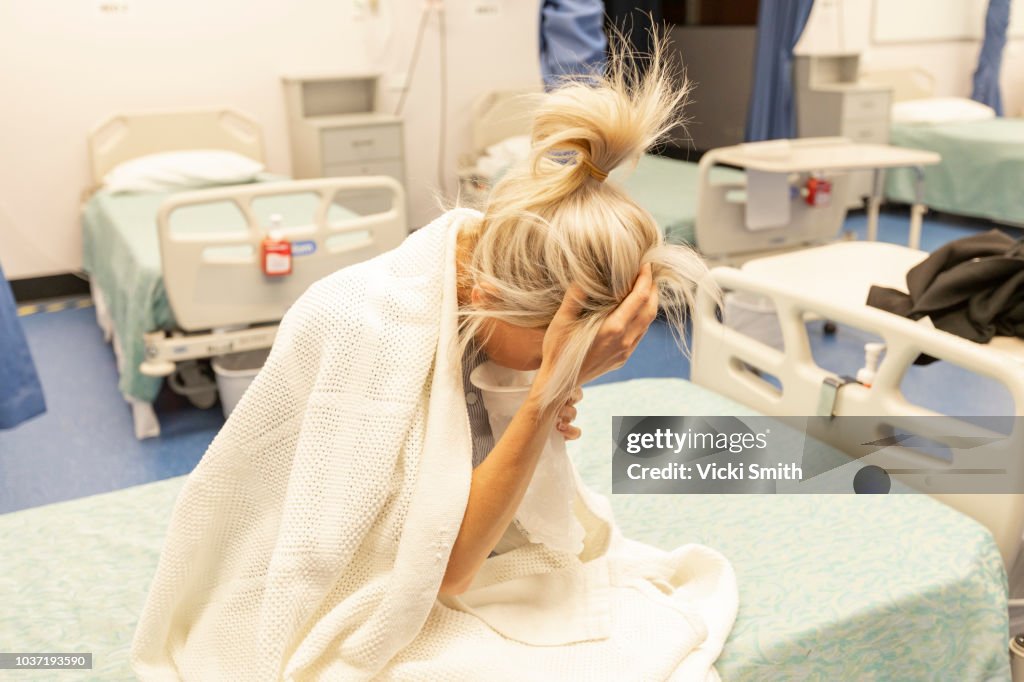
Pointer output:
x,y
498,486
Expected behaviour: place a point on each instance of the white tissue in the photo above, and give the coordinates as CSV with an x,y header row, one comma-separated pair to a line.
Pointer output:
x,y
546,511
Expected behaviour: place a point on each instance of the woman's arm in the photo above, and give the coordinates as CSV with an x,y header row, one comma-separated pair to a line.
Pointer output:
x,y
497,488
500,481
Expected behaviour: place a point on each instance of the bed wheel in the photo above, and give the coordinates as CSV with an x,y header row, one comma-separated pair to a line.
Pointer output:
x,y
829,328
194,381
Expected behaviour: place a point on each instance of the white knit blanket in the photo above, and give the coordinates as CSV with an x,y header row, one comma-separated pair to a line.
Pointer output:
x,y
310,541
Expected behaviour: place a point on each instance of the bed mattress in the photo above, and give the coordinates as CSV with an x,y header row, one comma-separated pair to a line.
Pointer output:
x,y
832,587
981,173
121,253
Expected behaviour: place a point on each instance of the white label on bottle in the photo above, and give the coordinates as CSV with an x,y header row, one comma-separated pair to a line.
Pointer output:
x,y
278,264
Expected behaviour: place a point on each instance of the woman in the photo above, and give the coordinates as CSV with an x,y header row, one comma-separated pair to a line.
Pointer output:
x,y
354,519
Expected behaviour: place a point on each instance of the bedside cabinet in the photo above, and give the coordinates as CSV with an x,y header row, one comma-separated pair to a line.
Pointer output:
x,y
334,131
830,102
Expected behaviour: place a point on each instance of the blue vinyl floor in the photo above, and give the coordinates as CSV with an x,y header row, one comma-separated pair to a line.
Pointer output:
x,y
84,444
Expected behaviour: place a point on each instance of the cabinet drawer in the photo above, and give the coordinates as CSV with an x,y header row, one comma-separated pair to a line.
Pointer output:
x,y
392,168
875,131
866,105
347,145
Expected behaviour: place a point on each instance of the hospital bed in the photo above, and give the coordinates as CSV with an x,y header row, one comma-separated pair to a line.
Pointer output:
x,y
175,274
831,587
712,204
983,160
665,187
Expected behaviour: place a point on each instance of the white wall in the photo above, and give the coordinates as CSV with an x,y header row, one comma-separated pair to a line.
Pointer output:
x,y
65,68
918,33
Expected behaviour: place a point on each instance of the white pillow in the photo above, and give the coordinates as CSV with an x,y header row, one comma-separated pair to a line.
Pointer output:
x,y
499,156
192,168
941,110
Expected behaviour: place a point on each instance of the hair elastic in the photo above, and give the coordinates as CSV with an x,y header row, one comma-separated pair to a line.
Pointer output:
x,y
594,171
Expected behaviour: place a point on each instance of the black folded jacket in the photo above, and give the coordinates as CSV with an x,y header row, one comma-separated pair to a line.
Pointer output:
x,y
972,287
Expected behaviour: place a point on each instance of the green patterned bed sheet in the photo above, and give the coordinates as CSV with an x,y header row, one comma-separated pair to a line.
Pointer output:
x,y
668,189
832,587
121,253
982,169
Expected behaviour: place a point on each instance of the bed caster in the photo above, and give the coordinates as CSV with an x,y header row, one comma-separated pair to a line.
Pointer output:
x,y
829,328
1017,658
193,381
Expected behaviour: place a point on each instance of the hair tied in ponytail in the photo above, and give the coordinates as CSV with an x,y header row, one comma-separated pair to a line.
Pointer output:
x,y
594,171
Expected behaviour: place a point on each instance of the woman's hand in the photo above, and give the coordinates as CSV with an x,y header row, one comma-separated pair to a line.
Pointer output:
x,y
618,335
567,414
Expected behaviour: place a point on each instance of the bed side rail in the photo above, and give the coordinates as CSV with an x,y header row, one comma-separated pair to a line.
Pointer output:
x,y
214,279
723,360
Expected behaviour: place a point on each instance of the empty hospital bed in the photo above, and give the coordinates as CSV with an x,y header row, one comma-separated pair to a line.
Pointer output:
x,y
709,204
176,274
665,187
983,156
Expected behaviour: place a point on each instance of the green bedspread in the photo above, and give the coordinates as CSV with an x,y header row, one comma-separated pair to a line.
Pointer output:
x,y
836,587
982,169
668,189
121,253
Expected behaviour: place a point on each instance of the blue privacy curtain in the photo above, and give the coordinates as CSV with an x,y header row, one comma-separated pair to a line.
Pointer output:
x,y
986,78
572,39
21,396
772,113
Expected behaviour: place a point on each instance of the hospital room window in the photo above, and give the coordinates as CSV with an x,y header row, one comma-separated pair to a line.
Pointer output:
x,y
710,12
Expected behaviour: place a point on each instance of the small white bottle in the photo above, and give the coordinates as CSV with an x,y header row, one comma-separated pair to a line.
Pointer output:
x,y
872,353
275,250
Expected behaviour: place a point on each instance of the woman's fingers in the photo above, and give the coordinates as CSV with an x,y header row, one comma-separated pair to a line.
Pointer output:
x,y
635,301
637,340
566,416
652,302
569,310
641,306
572,433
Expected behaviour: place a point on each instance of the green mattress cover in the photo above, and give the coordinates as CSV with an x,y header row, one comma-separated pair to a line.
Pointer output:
x,y
832,587
668,189
982,169
121,253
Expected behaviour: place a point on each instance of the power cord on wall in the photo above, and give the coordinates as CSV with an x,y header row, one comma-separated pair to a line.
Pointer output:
x,y
430,6
442,137
414,59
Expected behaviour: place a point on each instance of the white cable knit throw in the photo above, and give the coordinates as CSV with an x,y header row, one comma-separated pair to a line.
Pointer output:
x,y
310,541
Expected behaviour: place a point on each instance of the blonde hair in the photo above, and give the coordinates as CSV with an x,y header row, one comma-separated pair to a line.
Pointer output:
x,y
554,220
